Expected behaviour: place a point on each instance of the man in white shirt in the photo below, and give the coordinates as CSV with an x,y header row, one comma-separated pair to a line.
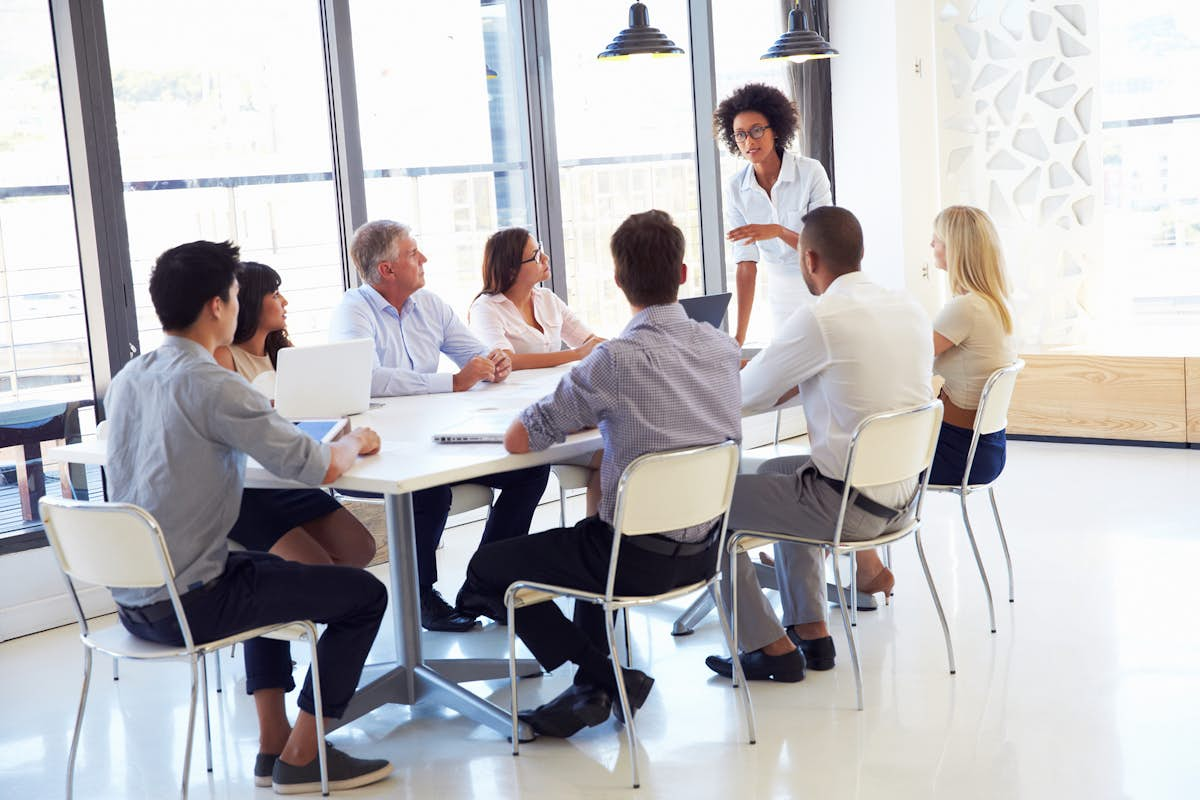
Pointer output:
x,y
859,350
411,328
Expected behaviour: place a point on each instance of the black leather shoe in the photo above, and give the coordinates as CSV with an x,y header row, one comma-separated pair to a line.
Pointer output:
x,y
475,604
758,666
637,687
576,708
819,653
437,615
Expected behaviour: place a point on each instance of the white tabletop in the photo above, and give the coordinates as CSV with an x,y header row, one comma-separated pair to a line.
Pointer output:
x,y
409,459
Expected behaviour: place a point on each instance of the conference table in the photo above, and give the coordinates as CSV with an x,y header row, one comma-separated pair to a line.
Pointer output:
x,y
409,460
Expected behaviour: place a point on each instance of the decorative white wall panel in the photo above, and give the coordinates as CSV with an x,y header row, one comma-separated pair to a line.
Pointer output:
x,y
1016,95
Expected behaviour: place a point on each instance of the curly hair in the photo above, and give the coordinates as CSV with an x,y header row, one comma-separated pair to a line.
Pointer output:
x,y
773,104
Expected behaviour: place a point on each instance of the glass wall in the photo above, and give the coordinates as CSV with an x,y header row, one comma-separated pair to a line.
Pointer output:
x,y
625,144
45,370
224,134
1150,112
445,135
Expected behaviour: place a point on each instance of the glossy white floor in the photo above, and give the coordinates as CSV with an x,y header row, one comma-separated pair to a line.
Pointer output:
x,y
1090,689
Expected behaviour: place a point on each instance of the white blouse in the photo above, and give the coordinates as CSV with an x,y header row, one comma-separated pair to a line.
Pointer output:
x,y
801,187
499,324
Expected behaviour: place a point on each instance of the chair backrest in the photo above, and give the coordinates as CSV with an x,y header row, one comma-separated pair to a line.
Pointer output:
x,y
108,544
894,446
265,384
676,489
997,393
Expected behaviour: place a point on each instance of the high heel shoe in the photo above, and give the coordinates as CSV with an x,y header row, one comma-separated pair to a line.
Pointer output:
x,y
883,581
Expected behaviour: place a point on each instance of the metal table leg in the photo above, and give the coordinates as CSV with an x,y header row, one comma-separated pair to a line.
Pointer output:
x,y
412,679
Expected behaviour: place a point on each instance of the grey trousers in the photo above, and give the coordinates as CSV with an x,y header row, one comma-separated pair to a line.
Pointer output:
x,y
786,495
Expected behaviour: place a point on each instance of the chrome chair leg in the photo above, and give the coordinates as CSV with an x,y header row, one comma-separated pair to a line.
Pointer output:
x,y
987,588
562,506
217,661
937,603
731,644
207,717
83,695
318,709
191,730
628,648
512,678
858,686
630,733
1003,541
853,589
733,613
116,669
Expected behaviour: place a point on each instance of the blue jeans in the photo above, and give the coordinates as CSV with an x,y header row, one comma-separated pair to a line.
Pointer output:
x,y
950,458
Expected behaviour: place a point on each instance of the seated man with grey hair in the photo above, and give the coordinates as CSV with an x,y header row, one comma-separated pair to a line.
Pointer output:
x,y
411,328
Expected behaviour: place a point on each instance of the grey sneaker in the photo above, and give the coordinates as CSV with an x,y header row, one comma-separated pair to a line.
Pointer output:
x,y
264,764
345,772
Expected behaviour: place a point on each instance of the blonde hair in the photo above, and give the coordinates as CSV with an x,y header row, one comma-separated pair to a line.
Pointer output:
x,y
973,258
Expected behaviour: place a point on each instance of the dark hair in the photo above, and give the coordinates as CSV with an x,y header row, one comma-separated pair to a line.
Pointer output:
x,y
836,236
255,282
647,249
502,259
186,277
773,104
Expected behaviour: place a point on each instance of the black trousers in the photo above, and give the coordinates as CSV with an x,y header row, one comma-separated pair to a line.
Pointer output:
x,y
577,557
512,514
261,589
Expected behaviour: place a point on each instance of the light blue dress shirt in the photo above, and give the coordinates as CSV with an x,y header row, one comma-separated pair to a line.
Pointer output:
x,y
408,342
179,428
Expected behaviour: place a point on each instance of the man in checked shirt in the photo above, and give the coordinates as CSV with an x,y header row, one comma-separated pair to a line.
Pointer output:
x,y
666,382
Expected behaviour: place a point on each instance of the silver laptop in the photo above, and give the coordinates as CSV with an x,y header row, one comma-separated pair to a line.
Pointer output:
x,y
482,428
324,381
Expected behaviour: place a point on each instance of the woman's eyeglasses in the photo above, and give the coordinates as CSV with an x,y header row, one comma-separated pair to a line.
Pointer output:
x,y
537,254
755,133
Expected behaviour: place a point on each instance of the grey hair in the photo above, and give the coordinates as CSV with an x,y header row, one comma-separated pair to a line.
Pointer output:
x,y
374,242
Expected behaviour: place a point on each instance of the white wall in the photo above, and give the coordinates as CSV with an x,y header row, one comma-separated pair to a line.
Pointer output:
x,y
885,136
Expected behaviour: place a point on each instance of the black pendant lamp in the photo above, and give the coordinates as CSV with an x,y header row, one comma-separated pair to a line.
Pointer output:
x,y
639,39
801,42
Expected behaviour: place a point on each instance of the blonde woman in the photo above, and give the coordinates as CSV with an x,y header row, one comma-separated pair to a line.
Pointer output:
x,y
972,338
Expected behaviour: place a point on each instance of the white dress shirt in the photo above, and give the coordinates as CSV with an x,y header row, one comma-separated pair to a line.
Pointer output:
x,y
409,342
859,350
802,186
499,324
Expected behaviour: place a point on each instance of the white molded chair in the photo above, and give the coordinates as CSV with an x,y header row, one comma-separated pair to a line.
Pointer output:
x,y
570,477
121,545
658,492
991,416
885,448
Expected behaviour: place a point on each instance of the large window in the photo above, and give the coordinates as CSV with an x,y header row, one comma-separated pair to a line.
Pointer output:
x,y
223,128
625,144
441,96
45,372
1150,110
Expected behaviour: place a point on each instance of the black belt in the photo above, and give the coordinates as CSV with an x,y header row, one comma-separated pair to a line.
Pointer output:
x,y
663,546
157,612
861,500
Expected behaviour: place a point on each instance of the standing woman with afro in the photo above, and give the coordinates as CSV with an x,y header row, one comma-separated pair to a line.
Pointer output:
x,y
766,200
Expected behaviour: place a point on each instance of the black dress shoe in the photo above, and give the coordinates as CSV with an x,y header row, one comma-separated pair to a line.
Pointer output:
x,y
474,604
437,614
758,666
637,688
819,653
576,708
